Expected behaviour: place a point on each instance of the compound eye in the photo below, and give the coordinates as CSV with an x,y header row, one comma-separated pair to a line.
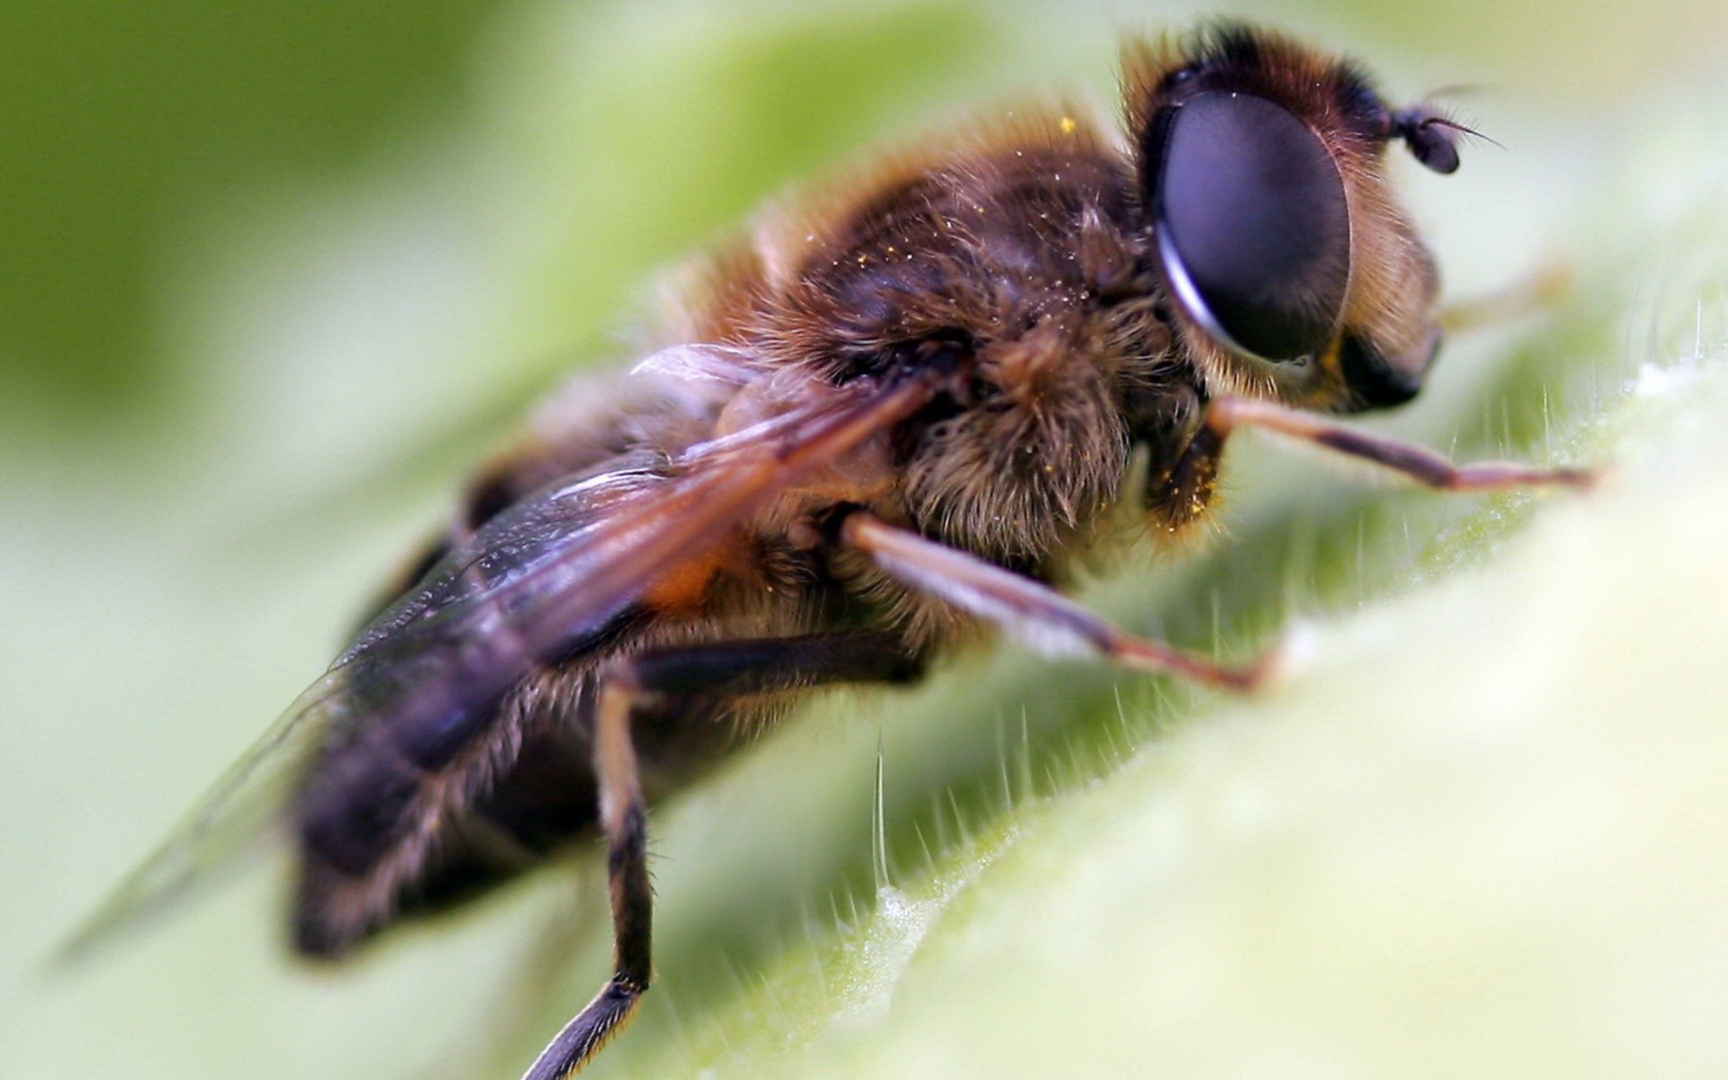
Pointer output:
x,y
1253,228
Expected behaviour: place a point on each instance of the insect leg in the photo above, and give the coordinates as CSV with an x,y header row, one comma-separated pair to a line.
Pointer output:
x,y
625,822
1541,288
1419,463
718,669
1036,613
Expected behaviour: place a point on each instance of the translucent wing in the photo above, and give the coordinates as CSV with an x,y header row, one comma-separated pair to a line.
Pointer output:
x,y
543,576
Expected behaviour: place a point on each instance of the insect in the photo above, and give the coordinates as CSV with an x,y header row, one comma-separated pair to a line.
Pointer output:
x,y
880,423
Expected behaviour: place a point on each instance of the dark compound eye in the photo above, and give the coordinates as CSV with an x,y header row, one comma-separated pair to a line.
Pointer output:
x,y
1253,228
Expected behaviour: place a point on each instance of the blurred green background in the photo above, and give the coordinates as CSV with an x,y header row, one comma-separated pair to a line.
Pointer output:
x,y
273,277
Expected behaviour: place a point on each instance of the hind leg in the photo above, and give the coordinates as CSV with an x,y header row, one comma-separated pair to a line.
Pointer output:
x,y
719,670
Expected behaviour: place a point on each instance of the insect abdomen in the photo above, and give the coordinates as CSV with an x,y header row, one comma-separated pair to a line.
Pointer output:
x,y
385,808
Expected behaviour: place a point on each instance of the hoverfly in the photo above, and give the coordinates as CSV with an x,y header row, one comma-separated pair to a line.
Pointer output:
x,y
883,420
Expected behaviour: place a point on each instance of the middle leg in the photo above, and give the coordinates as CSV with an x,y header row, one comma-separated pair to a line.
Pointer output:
x,y
1030,610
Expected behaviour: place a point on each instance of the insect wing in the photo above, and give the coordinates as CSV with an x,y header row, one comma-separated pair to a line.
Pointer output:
x,y
554,570
412,637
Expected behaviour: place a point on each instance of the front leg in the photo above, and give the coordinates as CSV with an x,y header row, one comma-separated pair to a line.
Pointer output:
x,y
1225,414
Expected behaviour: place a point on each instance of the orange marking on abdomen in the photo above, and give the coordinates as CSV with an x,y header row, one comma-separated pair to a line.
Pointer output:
x,y
683,587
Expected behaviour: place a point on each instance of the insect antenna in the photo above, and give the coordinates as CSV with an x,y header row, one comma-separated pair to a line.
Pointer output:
x,y
1432,136
1447,122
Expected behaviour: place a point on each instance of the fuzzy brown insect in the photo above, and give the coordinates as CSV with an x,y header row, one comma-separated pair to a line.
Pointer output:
x,y
888,417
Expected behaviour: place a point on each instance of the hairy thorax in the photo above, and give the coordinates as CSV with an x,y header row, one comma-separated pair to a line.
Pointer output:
x,y
1018,256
